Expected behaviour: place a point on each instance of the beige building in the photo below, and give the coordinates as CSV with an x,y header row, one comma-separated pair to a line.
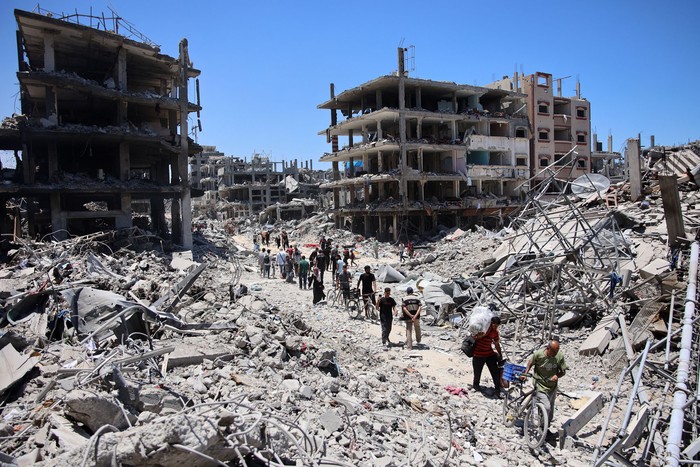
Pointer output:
x,y
560,126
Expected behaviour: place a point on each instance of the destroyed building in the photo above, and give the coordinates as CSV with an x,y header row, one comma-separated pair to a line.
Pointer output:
x,y
249,187
103,130
423,153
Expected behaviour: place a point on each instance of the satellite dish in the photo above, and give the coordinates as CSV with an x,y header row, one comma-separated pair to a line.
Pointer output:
x,y
587,184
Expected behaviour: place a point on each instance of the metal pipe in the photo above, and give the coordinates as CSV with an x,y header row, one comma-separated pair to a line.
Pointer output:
x,y
675,425
670,322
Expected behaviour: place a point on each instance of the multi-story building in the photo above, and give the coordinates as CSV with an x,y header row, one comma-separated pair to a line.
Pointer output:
x,y
247,187
560,126
423,153
106,127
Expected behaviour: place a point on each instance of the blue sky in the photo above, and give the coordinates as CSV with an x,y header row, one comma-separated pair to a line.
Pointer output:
x,y
266,65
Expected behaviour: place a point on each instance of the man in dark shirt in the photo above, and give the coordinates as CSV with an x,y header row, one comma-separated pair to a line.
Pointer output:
x,y
386,306
369,285
411,307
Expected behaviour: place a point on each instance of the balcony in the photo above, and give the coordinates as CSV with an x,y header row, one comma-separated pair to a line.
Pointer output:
x,y
562,120
490,143
497,172
561,146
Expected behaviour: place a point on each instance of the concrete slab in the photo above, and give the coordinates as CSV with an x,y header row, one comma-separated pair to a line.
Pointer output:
x,y
593,404
13,366
598,340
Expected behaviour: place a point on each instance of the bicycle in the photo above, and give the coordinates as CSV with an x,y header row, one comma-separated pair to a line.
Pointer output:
x,y
369,308
334,296
518,402
352,304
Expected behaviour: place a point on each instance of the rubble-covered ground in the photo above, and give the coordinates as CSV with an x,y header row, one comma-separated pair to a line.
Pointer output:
x,y
118,353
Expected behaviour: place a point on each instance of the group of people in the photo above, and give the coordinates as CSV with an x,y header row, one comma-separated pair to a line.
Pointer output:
x,y
548,364
263,238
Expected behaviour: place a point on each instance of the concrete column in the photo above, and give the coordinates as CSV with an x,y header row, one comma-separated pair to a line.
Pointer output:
x,y
49,53
380,134
336,198
396,225
53,159
380,162
365,162
610,143
120,71
672,209
454,129
336,171
28,165
124,221
634,168
184,62
380,187
158,223
351,170
455,189
419,128
421,195
651,141
51,103
59,224
419,98
454,161
124,162
350,141
420,160
403,187
364,134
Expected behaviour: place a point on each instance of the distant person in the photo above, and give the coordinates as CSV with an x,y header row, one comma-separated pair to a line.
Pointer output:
x,y
303,266
313,255
402,252
343,281
278,241
261,262
281,261
549,366
266,264
317,286
387,306
487,351
321,262
411,307
289,270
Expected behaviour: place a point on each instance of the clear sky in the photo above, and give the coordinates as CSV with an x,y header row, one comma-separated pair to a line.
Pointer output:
x,y
266,65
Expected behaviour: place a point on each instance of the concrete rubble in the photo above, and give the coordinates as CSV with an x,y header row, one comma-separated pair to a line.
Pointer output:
x,y
140,356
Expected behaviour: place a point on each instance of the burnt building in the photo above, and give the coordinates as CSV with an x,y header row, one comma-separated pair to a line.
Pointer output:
x,y
103,134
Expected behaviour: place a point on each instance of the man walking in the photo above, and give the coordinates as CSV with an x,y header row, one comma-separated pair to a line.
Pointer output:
x,y
411,307
281,262
386,306
261,262
303,272
549,366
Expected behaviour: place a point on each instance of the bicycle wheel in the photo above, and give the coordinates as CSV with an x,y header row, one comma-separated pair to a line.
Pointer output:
x,y
508,410
354,308
535,425
370,312
335,297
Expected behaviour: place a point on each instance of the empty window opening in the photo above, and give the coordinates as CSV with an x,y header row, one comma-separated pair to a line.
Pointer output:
x,y
520,161
581,163
543,135
543,108
544,161
581,112
520,132
581,138
542,80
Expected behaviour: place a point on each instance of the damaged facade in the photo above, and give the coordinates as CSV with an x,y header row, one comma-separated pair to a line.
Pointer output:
x,y
429,153
237,188
102,135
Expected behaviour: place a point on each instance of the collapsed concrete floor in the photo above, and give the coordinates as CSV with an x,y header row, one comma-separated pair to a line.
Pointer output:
x,y
120,354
